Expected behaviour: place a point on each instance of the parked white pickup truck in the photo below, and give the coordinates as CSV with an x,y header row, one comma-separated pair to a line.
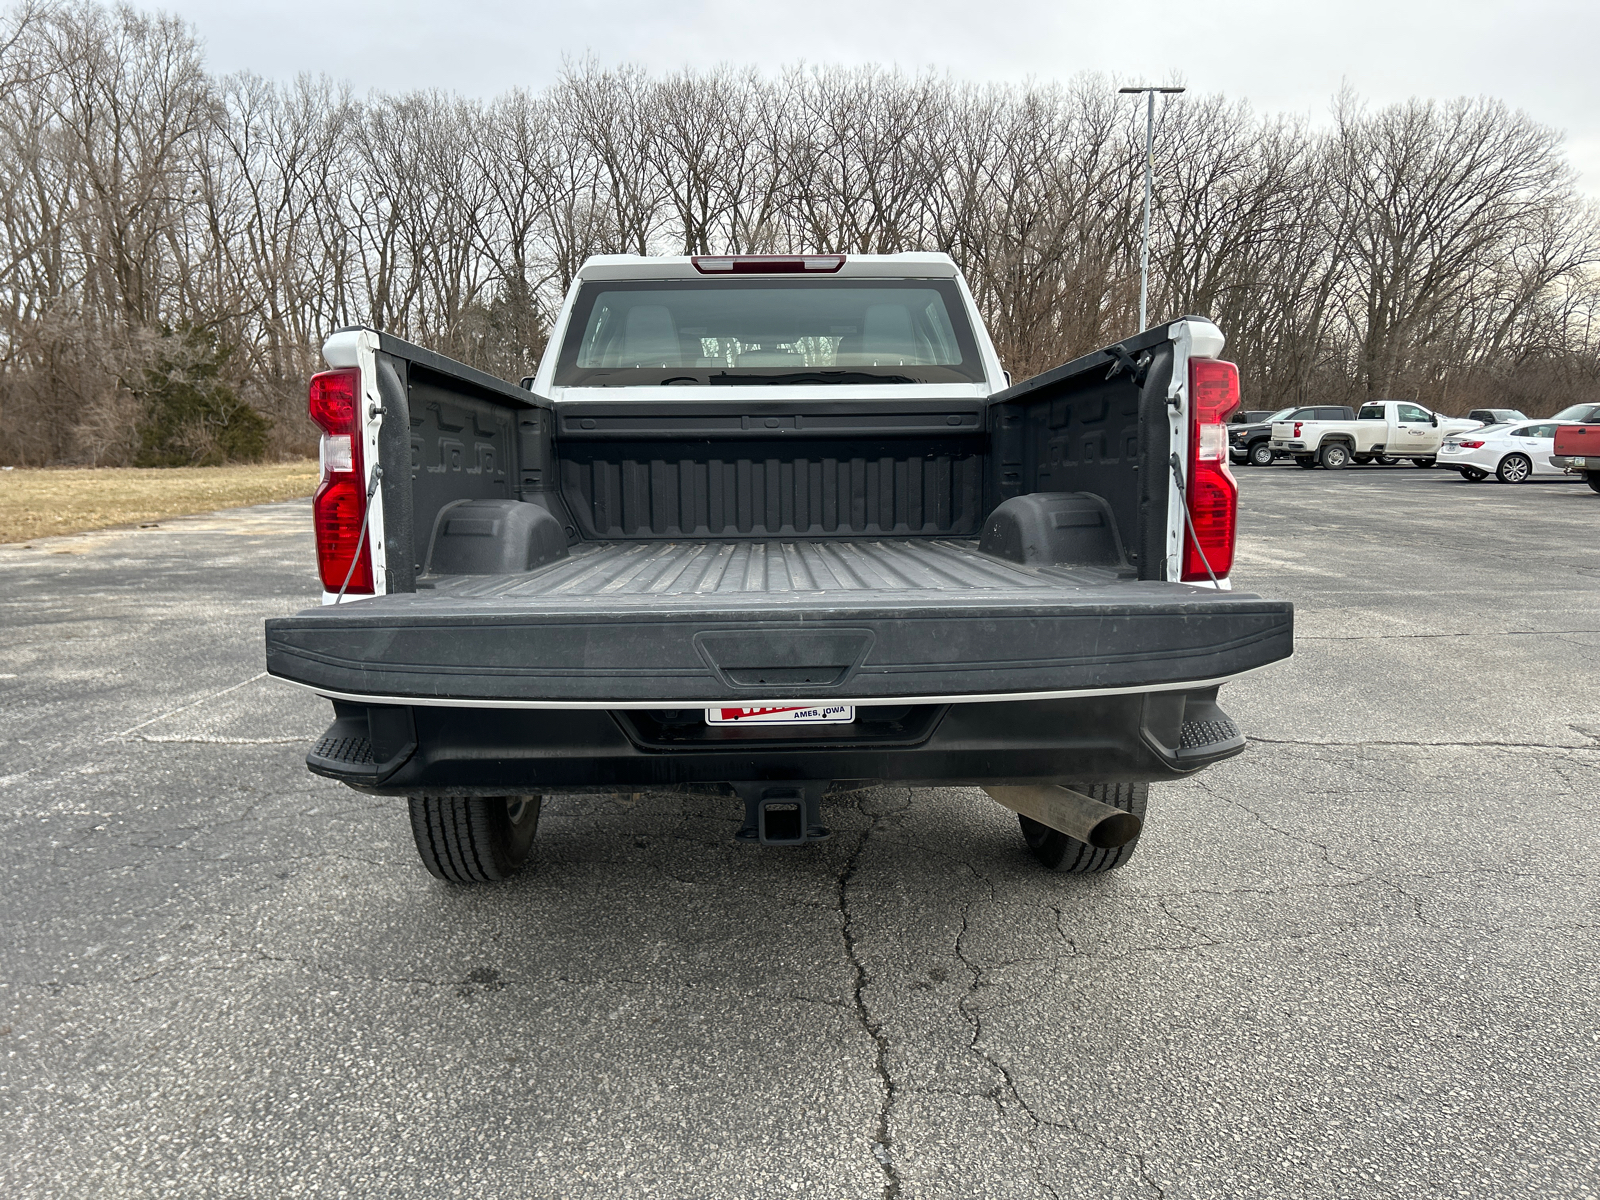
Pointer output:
x,y
1385,430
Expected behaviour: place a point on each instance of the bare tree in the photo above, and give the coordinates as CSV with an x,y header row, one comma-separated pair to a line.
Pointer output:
x,y
154,218
1437,201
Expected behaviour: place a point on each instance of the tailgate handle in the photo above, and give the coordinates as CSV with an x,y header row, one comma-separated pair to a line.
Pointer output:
x,y
767,657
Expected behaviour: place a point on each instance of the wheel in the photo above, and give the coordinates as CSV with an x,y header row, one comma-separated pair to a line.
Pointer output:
x,y
474,839
1304,460
1514,468
1362,459
1385,460
1334,456
1593,478
1473,474
1068,855
1424,463
1261,455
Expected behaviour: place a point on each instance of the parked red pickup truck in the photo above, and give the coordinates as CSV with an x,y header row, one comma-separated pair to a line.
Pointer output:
x,y
1577,445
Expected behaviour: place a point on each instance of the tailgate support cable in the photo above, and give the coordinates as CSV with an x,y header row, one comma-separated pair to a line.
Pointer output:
x,y
1123,361
366,522
1188,520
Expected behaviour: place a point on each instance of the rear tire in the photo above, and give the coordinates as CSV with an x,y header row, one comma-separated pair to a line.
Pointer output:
x,y
474,839
1424,463
1473,474
1334,457
1385,460
1067,855
1593,478
1305,460
1261,455
1514,468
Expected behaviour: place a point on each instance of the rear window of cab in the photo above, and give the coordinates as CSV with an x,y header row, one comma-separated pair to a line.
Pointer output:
x,y
644,333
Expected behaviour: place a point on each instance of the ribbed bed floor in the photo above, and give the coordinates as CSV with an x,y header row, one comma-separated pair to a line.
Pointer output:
x,y
725,569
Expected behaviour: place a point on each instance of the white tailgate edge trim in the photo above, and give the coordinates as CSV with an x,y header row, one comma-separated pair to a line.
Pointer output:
x,y
877,701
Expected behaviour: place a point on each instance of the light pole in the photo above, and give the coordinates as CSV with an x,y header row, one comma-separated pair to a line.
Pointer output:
x,y
1149,170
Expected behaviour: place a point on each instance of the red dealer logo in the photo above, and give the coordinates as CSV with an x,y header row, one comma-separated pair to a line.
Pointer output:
x,y
781,714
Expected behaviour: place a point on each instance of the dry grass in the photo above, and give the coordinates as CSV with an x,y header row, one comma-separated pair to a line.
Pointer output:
x,y
39,503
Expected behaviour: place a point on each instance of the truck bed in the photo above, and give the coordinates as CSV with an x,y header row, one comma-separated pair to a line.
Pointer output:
x,y
665,624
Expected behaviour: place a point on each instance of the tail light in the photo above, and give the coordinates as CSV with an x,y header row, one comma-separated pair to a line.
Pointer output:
x,y
1470,445
766,264
1213,493
339,508
1297,429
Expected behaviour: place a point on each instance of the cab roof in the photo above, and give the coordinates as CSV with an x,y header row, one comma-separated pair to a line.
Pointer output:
x,y
855,266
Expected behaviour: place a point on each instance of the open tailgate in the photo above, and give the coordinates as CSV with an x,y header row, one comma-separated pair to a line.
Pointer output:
x,y
667,624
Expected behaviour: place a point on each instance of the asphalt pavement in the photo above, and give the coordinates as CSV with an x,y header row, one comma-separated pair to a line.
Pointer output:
x,y
1360,960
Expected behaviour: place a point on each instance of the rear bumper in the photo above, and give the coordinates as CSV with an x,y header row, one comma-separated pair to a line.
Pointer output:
x,y
400,750
595,672
1476,459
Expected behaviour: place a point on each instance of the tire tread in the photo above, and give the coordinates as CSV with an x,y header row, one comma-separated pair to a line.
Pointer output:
x,y
463,839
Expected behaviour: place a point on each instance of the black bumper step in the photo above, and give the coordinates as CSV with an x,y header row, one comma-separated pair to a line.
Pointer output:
x,y
508,751
351,753
1201,735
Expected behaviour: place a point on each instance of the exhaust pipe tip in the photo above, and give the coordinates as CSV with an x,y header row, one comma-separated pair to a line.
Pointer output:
x,y
1110,832
1103,826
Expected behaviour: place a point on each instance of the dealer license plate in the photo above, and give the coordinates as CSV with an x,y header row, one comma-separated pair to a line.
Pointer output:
x,y
780,715
1579,460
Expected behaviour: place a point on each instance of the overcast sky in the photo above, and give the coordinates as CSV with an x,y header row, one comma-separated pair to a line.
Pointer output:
x,y
1538,55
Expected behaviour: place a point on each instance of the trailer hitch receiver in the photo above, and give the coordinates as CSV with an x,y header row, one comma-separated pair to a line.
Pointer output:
x,y
782,814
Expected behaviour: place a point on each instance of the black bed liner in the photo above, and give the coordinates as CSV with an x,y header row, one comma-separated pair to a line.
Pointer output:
x,y
772,572
649,624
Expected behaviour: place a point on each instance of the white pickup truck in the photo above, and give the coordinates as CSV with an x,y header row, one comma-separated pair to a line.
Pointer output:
x,y
1384,430
764,524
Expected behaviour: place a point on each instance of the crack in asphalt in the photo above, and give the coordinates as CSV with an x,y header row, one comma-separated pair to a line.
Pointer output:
x,y
975,1019
1325,850
881,1146
1416,903
1560,768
